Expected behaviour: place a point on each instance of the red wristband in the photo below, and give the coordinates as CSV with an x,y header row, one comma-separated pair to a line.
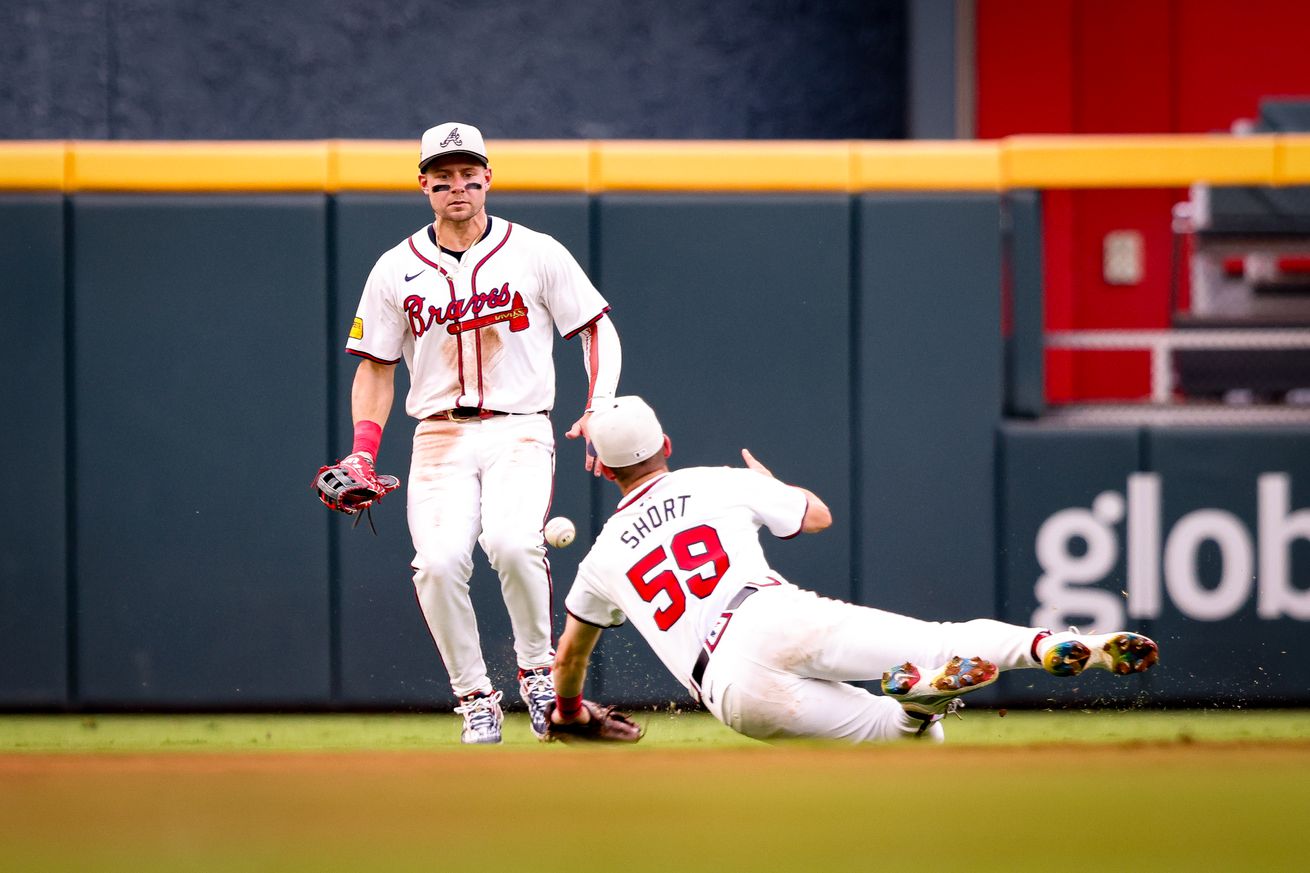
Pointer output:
x,y
368,436
568,706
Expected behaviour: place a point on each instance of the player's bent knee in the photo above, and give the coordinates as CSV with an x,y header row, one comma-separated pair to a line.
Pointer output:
x,y
441,573
514,552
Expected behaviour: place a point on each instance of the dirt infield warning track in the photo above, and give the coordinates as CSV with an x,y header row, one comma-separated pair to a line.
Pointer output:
x,y
1151,806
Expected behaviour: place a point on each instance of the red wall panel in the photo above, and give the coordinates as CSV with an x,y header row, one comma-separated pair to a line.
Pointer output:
x,y
1125,66
1230,54
1024,67
1123,72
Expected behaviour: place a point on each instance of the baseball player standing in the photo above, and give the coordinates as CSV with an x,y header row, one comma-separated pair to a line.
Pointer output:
x,y
469,303
681,558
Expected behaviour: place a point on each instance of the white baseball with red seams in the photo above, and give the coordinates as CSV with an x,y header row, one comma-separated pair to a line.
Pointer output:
x,y
476,331
682,546
560,532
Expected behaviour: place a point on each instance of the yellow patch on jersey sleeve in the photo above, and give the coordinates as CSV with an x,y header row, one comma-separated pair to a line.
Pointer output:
x,y
357,329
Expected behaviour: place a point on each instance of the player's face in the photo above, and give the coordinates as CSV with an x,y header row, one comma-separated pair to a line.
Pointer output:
x,y
456,187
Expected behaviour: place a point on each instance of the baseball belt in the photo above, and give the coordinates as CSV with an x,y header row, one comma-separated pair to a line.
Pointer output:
x,y
703,659
462,414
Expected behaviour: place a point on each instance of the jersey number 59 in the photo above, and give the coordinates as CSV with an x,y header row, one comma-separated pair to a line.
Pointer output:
x,y
696,550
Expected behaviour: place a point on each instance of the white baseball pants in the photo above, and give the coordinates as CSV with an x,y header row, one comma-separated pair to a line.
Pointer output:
x,y
487,482
781,666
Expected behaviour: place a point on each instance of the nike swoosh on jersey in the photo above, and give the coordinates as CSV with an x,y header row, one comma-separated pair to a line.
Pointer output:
x,y
415,276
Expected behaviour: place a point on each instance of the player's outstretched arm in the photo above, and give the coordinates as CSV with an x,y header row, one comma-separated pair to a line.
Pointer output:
x,y
572,656
602,356
572,718
817,515
372,392
352,484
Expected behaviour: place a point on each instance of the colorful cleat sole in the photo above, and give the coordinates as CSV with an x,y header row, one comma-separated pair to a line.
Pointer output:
x,y
1130,653
933,694
1066,659
1122,653
901,680
965,674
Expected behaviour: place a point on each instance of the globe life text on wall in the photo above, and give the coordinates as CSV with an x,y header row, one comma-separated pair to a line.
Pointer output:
x,y
1064,591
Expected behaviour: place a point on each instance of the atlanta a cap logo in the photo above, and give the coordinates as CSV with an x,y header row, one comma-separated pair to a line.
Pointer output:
x,y
452,138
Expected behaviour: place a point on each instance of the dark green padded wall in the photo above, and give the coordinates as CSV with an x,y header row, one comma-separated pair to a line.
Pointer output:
x,y
201,561
929,397
33,565
735,317
1025,365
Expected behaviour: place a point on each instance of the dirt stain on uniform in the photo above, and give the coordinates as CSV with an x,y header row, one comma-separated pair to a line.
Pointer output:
x,y
450,355
493,351
433,442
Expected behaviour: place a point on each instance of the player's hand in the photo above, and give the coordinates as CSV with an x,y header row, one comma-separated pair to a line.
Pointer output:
x,y
594,723
583,716
755,465
579,429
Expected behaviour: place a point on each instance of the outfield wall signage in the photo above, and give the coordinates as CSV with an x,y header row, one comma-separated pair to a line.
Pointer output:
x,y
1080,547
1198,537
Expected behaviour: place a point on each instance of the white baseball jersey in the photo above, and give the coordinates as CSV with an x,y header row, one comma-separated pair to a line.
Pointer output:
x,y
677,550
681,547
475,331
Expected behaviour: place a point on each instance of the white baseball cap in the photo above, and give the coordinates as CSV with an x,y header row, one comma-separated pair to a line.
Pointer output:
x,y
624,431
452,138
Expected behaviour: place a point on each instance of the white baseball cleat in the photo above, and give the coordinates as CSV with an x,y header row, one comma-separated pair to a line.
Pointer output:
x,y
482,718
935,692
1069,653
537,689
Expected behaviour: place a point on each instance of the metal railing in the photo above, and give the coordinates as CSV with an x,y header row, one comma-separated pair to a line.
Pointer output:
x,y
1161,343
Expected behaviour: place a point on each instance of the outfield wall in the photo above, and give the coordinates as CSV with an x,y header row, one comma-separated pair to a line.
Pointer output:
x,y
176,378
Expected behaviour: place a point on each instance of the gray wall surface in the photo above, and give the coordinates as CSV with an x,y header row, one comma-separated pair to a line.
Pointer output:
x,y
242,69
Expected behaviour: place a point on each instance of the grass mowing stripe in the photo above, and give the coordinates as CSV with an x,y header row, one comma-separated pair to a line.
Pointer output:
x,y
433,732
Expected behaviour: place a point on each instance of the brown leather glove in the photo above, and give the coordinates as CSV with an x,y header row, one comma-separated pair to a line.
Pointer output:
x,y
605,725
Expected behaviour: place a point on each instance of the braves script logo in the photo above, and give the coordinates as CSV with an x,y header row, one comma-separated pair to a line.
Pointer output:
x,y
452,137
422,316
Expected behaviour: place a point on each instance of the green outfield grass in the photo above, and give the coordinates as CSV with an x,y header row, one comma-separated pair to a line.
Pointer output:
x,y
665,730
1144,791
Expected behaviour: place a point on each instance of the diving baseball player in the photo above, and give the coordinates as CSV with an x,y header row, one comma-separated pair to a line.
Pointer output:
x,y
681,559
469,303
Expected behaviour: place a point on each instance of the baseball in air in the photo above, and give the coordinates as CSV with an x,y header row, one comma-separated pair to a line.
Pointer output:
x,y
560,531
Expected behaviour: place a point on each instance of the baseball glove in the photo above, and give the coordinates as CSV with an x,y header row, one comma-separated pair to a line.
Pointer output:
x,y
352,485
605,726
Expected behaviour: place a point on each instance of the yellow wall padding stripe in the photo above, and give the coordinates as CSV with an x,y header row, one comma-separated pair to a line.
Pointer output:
x,y
518,165
198,166
1292,159
1164,161
1135,161
654,165
945,165
541,165
32,166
